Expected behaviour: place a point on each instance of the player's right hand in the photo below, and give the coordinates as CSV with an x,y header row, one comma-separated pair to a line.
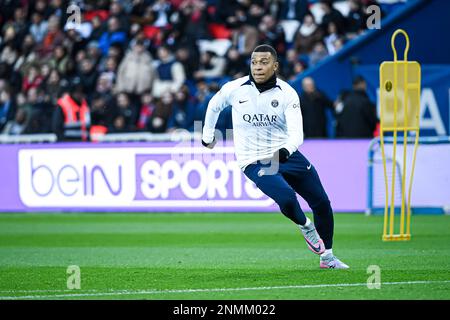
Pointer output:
x,y
209,145
281,155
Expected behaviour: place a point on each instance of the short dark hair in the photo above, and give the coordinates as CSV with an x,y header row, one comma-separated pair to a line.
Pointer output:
x,y
267,48
358,80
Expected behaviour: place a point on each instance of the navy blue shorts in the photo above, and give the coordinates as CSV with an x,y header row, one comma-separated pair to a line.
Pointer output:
x,y
296,175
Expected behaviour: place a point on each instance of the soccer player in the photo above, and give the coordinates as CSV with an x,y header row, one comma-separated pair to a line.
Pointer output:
x,y
268,129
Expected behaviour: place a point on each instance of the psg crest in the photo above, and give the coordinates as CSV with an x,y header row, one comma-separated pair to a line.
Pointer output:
x,y
274,103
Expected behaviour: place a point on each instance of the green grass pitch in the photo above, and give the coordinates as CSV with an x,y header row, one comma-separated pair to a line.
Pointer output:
x,y
215,256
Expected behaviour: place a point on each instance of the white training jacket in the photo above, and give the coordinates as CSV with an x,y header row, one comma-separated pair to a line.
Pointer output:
x,y
262,122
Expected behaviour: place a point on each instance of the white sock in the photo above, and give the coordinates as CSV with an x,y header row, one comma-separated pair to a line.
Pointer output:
x,y
326,253
307,223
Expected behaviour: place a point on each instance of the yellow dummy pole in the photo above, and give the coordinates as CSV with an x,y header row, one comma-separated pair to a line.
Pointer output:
x,y
399,98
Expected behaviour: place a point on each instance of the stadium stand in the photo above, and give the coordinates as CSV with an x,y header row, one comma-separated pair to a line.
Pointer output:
x,y
150,66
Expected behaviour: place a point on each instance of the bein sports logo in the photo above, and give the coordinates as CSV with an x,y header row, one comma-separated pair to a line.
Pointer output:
x,y
131,177
69,180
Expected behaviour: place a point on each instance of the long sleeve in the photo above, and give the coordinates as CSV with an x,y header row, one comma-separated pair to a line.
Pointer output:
x,y
294,123
217,103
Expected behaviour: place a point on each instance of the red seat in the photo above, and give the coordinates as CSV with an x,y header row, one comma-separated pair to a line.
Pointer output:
x,y
96,131
151,31
219,31
103,14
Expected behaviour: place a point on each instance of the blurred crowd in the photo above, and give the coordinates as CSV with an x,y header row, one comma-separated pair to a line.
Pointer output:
x,y
81,67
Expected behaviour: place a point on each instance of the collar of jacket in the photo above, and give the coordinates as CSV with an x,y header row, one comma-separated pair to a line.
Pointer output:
x,y
269,84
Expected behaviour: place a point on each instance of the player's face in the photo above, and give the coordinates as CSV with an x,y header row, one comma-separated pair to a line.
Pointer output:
x,y
263,66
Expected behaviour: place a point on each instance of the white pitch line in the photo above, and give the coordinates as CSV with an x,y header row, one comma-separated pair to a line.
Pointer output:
x,y
45,291
129,292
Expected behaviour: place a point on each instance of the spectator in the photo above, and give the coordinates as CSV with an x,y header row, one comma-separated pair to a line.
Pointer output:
x,y
161,114
225,10
101,111
356,114
60,60
127,110
169,73
112,35
332,15
105,83
293,66
293,10
308,34
27,55
119,125
18,125
356,18
111,67
319,53
56,8
71,118
88,76
113,53
143,15
298,68
38,28
244,38
93,52
42,9
146,111
136,72
162,10
188,57
74,41
338,44
45,71
39,111
97,29
273,34
7,107
193,20
80,56
9,54
53,86
32,79
314,104
19,24
54,37
255,14
204,93
331,38
183,111
137,35
116,10
236,66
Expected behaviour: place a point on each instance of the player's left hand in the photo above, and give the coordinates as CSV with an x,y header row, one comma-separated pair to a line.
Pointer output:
x,y
281,155
209,145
